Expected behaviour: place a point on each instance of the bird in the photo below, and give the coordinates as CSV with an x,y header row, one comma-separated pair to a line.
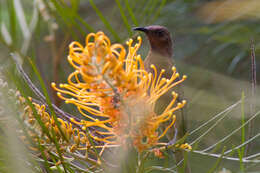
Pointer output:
x,y
161,55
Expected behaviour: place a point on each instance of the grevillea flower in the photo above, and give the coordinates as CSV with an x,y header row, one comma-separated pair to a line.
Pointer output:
x,y
115,94
76,139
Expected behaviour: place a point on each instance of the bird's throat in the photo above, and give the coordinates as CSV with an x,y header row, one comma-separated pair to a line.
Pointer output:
x,y
162,51
160,61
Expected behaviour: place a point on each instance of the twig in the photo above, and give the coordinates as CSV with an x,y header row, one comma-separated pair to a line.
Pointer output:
x,y
60,113
243,144
225,157
27,79
233,132
216,116
215,124
252,156
56,61
253,92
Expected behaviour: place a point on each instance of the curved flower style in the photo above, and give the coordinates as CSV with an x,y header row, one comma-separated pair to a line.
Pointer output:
x,y
115,94
76,139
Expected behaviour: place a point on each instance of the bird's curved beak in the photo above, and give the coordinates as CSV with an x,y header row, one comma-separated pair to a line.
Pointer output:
x,y
143,29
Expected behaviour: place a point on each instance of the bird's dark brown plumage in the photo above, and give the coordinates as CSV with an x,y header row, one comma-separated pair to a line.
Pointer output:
x,y
161,55
161,51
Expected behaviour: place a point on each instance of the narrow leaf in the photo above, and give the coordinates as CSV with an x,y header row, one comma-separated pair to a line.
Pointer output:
x,y
21,18
157,13
6,35
130,11
12,20
242,123
105,21
129,29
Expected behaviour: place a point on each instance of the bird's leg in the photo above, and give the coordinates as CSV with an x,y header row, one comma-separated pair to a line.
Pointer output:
x,y
171,142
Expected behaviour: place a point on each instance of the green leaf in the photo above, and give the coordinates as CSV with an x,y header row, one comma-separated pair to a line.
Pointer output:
x,y
124,18
51,135
46,163
131,13
6,37
240,155
12,21
21,19
214,167
105,21
242,123
157,13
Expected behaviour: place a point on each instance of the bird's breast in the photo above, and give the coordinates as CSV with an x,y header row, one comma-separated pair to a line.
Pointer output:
x,y
160,62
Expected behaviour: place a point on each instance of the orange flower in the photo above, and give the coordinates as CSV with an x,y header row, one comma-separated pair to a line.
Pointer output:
x,y
76,139
110,88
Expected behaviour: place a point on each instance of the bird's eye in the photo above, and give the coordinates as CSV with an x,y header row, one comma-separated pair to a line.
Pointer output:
x,y
159,33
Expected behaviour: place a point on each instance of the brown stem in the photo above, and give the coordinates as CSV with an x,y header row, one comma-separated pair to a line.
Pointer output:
x,y
253,93
56,62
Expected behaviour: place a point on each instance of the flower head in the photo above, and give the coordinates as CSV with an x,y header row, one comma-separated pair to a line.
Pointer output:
x,y
76,139
116,94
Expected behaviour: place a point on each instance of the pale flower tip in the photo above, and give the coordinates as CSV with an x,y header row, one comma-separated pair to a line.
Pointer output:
x,y
152,66
139,38
72,119
61,85
175,94
184,77
173,68
163,79
184,101
84,128
53,84
177,74
99,162
163,71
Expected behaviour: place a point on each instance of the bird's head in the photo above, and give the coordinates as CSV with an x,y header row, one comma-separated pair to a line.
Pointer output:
x,y
159,38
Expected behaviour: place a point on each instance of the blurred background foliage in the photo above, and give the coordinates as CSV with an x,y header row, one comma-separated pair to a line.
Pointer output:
x,y
212,44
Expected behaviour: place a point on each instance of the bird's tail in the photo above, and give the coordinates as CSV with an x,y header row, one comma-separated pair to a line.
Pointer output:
x,y
182,162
